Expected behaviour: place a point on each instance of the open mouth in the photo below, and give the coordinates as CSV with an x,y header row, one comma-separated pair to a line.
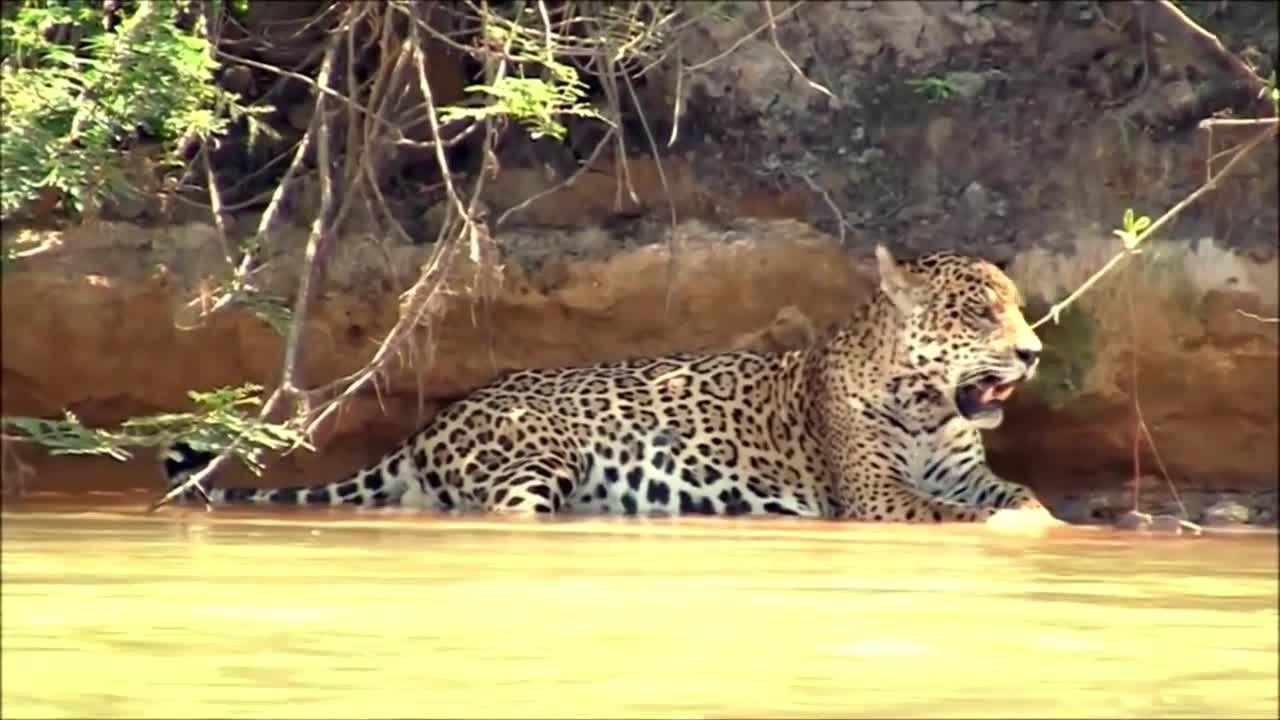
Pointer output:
x,y
983,396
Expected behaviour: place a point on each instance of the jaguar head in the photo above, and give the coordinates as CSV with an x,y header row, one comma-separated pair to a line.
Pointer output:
x,y
961,321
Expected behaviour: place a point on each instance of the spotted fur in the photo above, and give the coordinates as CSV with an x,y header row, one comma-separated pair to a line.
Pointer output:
x,y
878,421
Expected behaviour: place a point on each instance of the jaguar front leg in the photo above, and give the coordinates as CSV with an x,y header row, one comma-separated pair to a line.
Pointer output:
x,y
884,498
995,492
980,487
867,476
879,487
1015,506
959,472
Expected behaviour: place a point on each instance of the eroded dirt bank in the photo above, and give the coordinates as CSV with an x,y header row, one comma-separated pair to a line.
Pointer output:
x,y
91,324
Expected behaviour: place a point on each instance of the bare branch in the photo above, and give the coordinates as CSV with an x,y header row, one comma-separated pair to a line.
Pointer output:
x,y
320,230
215,204
673,245
321,227
415,307
766,25
395,130
622,168
310,81
1259,318
841,223
587,165
653,149
1159,223
418,299
773,35
1167,19
678,105
1237,122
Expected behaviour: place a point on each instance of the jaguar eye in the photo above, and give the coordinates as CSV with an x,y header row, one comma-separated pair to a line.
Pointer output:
x,y
987,313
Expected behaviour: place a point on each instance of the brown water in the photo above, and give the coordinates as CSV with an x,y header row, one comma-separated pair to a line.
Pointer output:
x,y
181,614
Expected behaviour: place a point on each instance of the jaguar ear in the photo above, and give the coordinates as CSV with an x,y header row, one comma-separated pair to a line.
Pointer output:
x,y
905,292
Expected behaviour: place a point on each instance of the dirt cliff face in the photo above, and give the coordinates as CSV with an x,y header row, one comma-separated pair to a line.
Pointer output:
x,y
93,325
1017,132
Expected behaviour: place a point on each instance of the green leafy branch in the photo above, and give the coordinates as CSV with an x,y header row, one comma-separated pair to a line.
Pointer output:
x,y
213,428
69,109
535,102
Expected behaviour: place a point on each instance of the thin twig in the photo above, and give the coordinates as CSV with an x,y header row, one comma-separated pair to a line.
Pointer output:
x,y
312,82
1167,19
270,216
415,307
1137,403
841,224
678,105
372,183
480,241
354,148
1213,156
1237,122
1141,430
586,166
1164,471
653,148
773,35
1097,8
1259,318
241,181
621,166
215,205
767,24
673,246
321,229
546,25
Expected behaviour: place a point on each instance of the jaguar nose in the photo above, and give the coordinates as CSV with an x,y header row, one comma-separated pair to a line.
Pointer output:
x,y
1027,356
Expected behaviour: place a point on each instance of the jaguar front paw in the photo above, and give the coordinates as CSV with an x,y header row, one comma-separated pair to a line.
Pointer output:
x,y
1029,517
1025,501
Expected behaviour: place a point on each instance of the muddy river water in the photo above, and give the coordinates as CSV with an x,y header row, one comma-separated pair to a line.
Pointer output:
x,y
109,612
